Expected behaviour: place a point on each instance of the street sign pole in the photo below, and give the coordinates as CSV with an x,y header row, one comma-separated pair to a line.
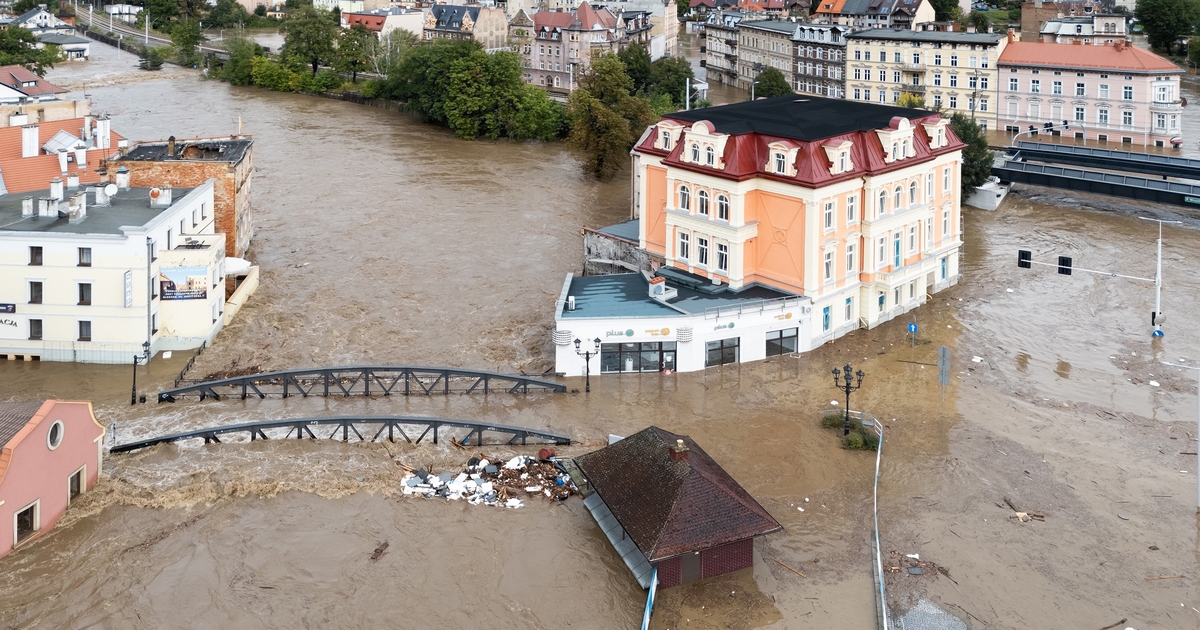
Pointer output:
x,y
943,369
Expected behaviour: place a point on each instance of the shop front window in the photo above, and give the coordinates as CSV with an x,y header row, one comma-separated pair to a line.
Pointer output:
x,y
722,351
782,341
649,356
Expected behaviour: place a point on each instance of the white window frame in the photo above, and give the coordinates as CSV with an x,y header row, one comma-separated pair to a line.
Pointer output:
x,y
723,257
82,472
830,212
850,267
36,504
829,265
681,245
701,251
851,209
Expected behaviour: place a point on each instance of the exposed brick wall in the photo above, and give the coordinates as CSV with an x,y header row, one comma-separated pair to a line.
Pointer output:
x,y
231,191
670,572
726,558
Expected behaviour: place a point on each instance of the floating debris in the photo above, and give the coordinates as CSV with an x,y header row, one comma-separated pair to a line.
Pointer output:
x,y
482,482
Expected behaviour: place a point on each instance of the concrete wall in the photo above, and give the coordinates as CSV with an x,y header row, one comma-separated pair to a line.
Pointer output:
x,y
604,254
37,473
48,111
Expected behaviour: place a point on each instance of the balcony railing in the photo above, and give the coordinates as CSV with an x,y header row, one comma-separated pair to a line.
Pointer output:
x,y
1167,105
912,67
914,89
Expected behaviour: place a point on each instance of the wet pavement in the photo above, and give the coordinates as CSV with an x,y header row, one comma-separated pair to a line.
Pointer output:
x,y
424,249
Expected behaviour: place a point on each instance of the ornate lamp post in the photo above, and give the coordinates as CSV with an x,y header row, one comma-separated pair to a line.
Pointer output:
x,y
137,358
587,362
847,385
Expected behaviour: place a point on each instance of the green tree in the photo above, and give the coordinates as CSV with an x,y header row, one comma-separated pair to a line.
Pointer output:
x,y
260,10
637,65
151,58
488,98
908,99
606,118
422,78
185,36
227,14
392,48
1165,21
354,48
271,75
980,20
309,35
18,47
239,69
21,6
1194,50
945,10
771,82
977,158
682,7
669,76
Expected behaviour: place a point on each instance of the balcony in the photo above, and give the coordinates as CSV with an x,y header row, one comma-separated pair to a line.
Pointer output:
x,y
1173,106
913,89
912,67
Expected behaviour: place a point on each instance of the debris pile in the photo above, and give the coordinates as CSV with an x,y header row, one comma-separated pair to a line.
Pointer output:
x,y
487,483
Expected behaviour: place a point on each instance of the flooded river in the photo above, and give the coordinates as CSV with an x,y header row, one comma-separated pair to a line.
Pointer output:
x,y
385,241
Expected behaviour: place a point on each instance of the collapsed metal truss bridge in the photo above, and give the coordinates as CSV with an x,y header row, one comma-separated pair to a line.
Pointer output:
x,y
363,380
301,428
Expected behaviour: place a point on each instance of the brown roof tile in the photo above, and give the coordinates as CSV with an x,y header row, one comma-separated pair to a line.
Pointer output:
x,y
672,507
1107,57
13,417
14,76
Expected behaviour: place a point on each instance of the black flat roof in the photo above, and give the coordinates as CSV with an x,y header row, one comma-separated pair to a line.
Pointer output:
x,y
798,117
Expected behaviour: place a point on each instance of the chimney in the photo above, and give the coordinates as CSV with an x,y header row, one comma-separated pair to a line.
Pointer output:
x,y
660,291
87,128
171,147
103,133
990,29
48,207
80,158
1012,37
101,195
62,161
1077,42
29,141
970,29
56,189
77,208
679,451
72,181
160,197
122,178
1120,45
18,120
27,207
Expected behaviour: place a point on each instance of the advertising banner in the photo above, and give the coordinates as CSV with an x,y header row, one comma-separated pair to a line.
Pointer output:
x,y
183,283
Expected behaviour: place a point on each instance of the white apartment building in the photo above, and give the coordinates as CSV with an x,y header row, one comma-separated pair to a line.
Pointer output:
x,y
91,274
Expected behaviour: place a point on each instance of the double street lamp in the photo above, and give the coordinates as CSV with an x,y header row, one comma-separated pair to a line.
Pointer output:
x,y
587,362
847,384
138,358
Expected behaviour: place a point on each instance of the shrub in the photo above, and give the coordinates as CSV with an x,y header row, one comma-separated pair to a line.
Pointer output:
x,y
371,89
270,75
326,80
854,441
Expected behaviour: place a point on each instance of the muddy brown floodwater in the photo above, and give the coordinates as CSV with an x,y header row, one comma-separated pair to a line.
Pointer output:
x,y
382,240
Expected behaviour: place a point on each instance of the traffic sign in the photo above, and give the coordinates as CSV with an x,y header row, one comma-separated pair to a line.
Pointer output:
x,y
912,327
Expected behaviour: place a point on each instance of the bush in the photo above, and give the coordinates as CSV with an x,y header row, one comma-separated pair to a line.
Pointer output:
x,y
326,80
833,421
271,75
854,441
372,89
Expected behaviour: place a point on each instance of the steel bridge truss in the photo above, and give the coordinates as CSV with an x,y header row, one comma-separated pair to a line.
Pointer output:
x,y
421,427
365,381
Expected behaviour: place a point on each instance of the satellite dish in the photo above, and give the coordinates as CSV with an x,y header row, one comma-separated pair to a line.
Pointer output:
x,y
155,193
110,190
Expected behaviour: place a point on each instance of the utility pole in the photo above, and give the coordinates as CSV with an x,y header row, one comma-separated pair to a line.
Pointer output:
x,y
147,41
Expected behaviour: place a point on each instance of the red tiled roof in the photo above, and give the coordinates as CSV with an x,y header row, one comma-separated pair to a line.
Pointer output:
x,y
553,19
369,21
10,137
672,507
25,174
1105,57
14,76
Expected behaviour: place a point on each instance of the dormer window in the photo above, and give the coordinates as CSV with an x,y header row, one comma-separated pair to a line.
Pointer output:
x,y
780,163
695,153
710,156
842,160
895,151
941,136
666,140
904,145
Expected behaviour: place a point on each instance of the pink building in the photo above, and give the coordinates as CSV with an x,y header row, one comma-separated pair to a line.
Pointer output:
x,y
1114,93
51,455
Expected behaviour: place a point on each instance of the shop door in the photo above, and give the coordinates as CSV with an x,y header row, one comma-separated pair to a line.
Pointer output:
x,y
691,567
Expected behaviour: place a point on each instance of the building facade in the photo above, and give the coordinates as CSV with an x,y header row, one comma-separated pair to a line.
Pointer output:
x,y
486,25
383,21
1114,93
891,14
228,161
1095,29
1034,15
91,274
783,223
820,60
50,455
721,47
763,44
952,70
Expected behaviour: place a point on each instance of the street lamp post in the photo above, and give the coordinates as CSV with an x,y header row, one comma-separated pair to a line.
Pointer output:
x,y
144,356
847,385
587,362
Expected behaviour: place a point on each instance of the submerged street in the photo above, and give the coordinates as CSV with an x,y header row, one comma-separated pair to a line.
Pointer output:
x,y
385,241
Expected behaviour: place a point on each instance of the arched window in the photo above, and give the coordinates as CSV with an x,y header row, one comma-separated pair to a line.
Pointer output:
x,y
842,162
685,198
702,197
695,153
905,147
882,202
710,156
722,207
899,198
895,151
912,193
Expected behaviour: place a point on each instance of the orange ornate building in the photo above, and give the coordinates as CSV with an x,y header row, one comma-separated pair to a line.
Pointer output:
x,y
852,205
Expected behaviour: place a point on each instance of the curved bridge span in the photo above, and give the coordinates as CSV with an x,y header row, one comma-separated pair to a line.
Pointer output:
x,y
363,380
302,428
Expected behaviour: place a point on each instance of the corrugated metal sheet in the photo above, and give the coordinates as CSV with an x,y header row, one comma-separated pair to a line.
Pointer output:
x,y
630,554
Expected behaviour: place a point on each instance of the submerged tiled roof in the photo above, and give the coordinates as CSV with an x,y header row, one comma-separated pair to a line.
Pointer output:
x,y
672,507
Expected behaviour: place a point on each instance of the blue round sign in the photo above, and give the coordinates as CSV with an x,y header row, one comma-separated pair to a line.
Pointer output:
x,y
912,327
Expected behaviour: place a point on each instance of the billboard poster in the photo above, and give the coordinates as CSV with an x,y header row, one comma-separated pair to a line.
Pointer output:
x,y
183,283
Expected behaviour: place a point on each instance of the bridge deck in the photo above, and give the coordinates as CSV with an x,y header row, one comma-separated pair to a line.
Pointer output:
x,y
1141,188
365,380
1147,163
303,428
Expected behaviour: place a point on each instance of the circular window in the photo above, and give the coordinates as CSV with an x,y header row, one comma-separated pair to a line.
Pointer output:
x,y
54,437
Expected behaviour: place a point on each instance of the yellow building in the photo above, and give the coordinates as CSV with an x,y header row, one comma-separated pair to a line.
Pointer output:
x,y
952,70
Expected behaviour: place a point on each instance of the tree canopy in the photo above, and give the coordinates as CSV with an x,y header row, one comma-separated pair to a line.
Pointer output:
x,y
1165,21
18,47
309,37
355,46
944,10
977,158
606,118
771,82
185,37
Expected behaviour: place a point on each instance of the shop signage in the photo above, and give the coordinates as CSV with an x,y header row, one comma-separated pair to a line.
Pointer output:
x,y
784,316
184,283
128,289
8,308
9,328
658,332
720,326
619,333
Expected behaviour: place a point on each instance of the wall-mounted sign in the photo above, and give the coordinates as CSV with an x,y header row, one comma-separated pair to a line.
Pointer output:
x,y
10,329
619,333
183,283
128,289
720,326
658,332
784,316
8,308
